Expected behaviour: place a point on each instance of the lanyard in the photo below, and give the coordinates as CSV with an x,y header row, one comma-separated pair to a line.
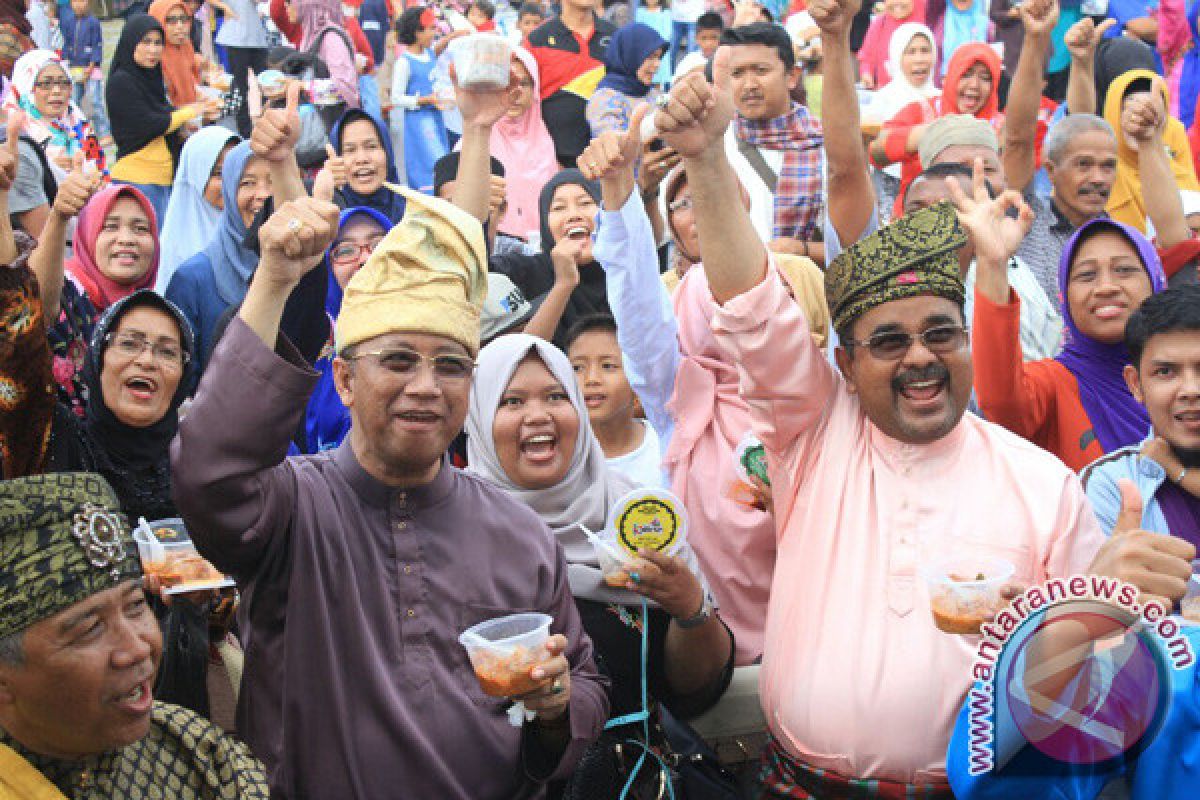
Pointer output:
x,y
643,717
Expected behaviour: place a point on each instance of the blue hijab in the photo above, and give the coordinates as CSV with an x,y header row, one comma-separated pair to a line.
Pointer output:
x,y
327,420
627,50
383,200
1118,420
232,262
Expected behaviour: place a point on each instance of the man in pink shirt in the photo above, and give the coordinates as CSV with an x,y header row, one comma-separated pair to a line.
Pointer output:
x,y
876,473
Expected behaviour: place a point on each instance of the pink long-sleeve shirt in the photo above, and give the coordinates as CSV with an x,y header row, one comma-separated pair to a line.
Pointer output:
x,y
856,678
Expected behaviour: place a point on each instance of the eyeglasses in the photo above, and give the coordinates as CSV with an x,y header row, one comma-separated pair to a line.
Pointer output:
x,y
48,84
345,252
132,345
404,363
893,345
682,204
177,20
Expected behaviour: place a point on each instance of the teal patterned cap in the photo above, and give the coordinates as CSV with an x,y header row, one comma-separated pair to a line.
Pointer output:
x,y
63,538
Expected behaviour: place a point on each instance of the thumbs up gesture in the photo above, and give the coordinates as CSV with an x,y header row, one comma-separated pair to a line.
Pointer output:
x,y
77,189
1159,565
614,151
694,118
9,157
278,129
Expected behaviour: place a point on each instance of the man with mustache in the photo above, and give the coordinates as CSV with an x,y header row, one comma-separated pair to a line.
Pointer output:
x,y
876,473
79,647
1079,152
776,144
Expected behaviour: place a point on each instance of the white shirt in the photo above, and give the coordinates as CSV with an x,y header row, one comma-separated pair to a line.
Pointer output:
x,y
644,465
1041,326
762,199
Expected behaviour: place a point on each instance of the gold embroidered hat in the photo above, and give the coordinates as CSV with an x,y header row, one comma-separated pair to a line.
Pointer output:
x,y
63,538
916,255
428,275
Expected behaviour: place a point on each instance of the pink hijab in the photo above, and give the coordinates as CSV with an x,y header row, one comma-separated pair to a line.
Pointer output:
x,y
103,291
734,543
524,147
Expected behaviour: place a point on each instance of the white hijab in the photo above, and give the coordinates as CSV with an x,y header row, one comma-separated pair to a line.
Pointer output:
x,y
191,221
589,489
898,92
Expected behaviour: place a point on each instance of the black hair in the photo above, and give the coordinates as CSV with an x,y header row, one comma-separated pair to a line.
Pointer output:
x,y
710,21
598,321
1176,309
764,33
946,169
531,8
409,24
486,8
445,169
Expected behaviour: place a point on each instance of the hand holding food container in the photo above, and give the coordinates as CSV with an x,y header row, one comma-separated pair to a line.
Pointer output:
x,y
170,561
516,657
640,550
965,591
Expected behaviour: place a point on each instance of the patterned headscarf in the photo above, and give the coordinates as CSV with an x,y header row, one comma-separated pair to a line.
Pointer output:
x,y
65,135
63,539
916,255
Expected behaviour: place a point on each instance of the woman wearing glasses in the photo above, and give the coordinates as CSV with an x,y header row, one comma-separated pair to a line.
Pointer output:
x,y
327,420
42,89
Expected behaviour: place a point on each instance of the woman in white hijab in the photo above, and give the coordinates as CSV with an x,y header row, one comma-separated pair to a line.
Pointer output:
x,y
528,433
912,59
196,200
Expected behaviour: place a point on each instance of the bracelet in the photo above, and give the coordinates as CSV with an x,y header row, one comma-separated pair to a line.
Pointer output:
x,y
699,618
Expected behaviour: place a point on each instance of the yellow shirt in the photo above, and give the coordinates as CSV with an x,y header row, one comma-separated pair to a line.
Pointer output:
x,y
152,164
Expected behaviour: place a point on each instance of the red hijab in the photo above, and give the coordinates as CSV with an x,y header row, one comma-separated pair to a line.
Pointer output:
x,y
963,59
101,290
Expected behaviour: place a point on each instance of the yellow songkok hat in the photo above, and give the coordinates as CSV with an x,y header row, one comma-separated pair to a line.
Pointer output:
x,y
428,275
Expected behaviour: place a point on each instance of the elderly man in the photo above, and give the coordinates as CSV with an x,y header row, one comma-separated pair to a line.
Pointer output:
x,y
79,647
362,565
852,655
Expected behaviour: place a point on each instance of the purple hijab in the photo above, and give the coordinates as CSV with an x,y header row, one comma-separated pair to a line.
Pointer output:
x,y
1117,419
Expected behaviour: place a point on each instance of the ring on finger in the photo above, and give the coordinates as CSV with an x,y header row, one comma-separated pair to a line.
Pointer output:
x,y
662,100
556,687
635,577
293,225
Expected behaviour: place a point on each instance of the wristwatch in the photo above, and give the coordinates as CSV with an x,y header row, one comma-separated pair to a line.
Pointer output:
x,y
699,618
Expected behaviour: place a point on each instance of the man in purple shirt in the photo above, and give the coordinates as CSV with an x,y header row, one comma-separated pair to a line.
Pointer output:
x,y
360,566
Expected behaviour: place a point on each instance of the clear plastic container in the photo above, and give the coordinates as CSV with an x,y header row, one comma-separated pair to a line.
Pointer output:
x,y
170,559
1189,606
964,590
482,61
615,562
504,650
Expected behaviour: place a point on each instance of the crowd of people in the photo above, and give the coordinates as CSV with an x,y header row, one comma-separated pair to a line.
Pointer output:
x,y
398,348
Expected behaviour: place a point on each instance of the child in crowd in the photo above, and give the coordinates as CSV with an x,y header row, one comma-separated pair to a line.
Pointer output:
x,y
529,17
654,13
630,445
482,14
83,48
709,28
